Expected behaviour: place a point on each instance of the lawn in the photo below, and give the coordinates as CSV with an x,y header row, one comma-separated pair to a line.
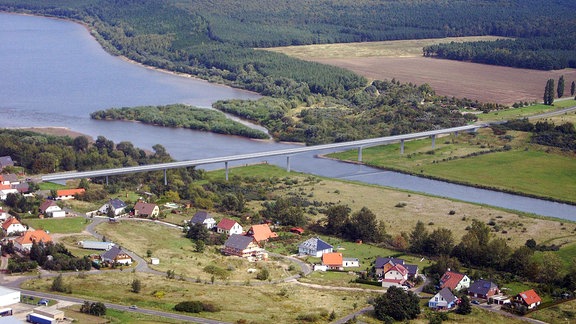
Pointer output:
x,y
254,303
561,313
65,225
179,254
114,316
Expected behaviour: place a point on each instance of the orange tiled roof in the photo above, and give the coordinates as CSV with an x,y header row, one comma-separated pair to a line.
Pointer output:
x,y
70,192
34,236
451,280
261,232
332,259
8,222
530,297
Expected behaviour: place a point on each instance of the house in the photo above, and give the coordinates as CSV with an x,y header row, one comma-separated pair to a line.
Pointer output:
x,y
24,242
261,233
96,245
6,161
314,247
483,289
243,246
143,209
9,179
528,298
444,299
116,255
333,260
116,205
228,226
49,208
21,187
202,217
454,280
5,192
382,265
297,230
3,214
395,276
350,262
66,194
12,226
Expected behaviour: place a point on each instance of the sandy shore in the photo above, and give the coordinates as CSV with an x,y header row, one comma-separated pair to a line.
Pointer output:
x,y
58,131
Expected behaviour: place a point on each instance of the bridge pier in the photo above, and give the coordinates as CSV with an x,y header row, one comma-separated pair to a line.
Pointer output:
x,y
401,146
226,168
456,134
165,178
360,153
433,141
106,180
288,163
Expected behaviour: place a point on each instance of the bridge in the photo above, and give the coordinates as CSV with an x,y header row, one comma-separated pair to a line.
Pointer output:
x,y
360,144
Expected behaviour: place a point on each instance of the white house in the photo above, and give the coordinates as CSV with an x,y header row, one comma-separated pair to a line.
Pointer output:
x,y
314,247
395,276
229,227
202,217
350,262
117,205
49,208
3,214
12,226
444,299
5,192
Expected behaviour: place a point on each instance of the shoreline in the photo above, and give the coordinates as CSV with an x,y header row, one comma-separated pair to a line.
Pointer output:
x,y
53,130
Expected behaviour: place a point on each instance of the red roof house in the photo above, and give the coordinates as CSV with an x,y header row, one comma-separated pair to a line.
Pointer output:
x,y
529,298
229,226
65,194
454,280
333,260
24,242
261,232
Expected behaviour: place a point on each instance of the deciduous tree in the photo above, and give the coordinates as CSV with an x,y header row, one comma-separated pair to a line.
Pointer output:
x,y
398,304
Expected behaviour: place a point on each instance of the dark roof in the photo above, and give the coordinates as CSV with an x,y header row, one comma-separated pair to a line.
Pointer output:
x,y
11,177
22,187
200,217
117,203
238,242
316,244
6,161
412,269
481,287
380,261
112,253
447,294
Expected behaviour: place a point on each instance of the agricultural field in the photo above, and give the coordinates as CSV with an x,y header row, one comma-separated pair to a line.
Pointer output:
x,y
403,61
525,168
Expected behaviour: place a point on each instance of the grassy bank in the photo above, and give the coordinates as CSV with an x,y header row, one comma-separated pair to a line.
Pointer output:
x,y
480,159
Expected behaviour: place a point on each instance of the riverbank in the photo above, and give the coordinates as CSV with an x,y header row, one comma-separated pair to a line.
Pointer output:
x,y
56,131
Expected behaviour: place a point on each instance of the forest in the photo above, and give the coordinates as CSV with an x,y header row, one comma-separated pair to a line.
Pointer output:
x,y
182,116
311,102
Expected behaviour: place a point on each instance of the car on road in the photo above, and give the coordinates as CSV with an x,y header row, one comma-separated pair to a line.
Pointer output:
x,y
133,307
475,302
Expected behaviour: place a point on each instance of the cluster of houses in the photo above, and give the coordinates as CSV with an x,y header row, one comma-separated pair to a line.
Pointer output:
x,y
21,236
479,289
330,260
9,182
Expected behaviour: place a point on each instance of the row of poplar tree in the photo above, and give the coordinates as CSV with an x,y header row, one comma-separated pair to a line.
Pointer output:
x,y
549,90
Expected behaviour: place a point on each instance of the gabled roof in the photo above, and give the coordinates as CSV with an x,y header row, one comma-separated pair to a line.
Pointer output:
x,y
315,244
10,177
380,262
332,259
70,192
47,204
447,295
529,297
33,236
261,232
144,208
6,161
9,221
481,287
226,224
112,253
238,242
117,203
22,187
451,279
412,269
200,217
400,268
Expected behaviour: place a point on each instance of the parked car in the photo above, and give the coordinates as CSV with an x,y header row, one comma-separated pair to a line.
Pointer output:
x,y
475,302
43,302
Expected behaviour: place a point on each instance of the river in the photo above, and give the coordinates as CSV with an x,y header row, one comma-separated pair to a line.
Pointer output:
x,y
53,73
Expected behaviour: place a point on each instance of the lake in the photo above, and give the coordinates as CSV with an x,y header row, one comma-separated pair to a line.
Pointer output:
x,y
55,74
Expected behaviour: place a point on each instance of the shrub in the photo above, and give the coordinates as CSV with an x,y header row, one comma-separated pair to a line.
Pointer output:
x,y
189,307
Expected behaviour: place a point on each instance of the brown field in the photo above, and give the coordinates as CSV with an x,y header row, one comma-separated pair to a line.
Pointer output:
x,y
403,61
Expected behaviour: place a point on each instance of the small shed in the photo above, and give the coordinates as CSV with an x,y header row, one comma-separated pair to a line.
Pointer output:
x,y
96,245
154,260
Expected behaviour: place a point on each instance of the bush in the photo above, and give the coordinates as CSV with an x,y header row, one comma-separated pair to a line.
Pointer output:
x,y
189,306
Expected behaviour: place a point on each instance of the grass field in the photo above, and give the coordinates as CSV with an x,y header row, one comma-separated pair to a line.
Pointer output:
x,y
400,48
526,168
255,304
561,313
114,316
65,225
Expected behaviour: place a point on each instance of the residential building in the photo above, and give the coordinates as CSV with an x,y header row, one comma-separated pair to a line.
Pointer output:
x,y
116,255
243,246
143,209
49,208
6,161
202,217
483,289
24,242
261,233
382,265
397,275
444,299
314,247
12,226
454,280
528,298
333,260
116,205
228,226
350,262
67,194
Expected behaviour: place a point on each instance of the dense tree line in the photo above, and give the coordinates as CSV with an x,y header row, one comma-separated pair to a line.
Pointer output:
x,y
361,225
182,116
547,133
